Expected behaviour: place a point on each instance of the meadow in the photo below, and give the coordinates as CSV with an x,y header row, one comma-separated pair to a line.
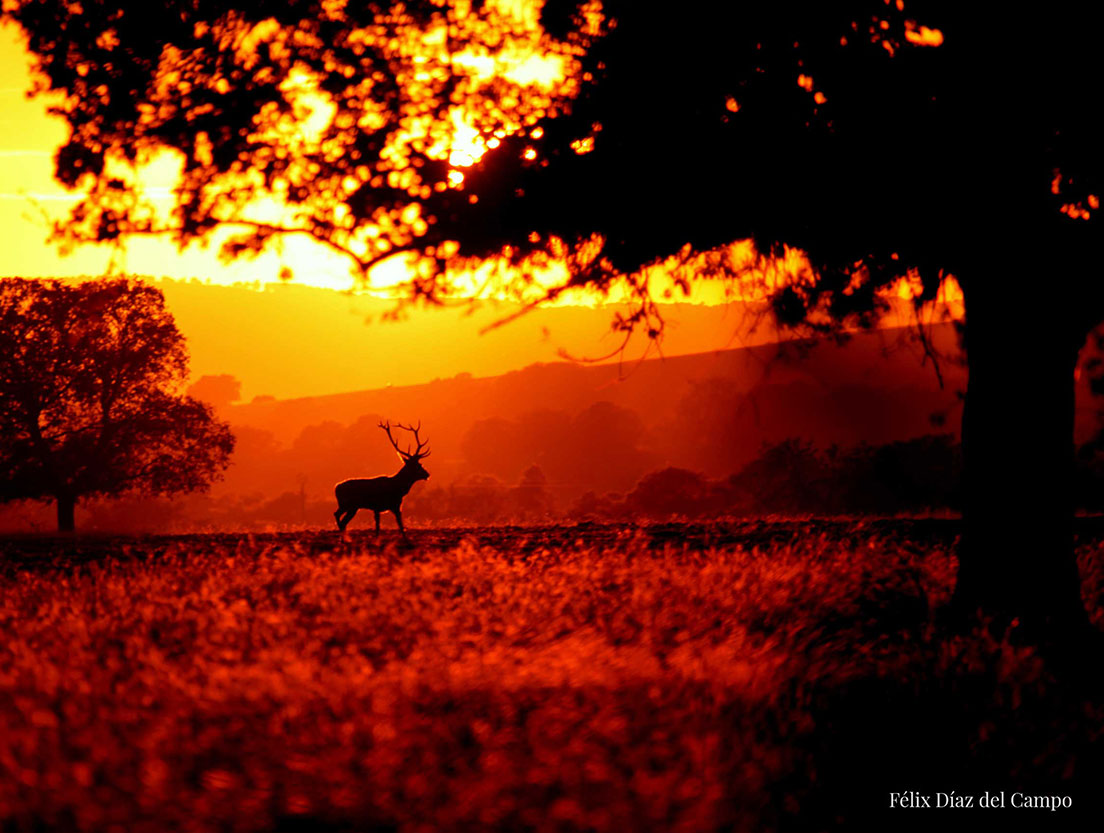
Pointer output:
x,y
676,677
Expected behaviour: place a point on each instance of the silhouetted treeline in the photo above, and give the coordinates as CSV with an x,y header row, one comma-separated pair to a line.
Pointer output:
x,y
792,477
795,477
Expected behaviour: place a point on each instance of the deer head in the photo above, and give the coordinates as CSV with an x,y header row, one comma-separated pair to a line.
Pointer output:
x,y
412,465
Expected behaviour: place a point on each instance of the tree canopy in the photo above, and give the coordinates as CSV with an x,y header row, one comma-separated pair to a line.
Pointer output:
x,y
879,137
90,375
353,125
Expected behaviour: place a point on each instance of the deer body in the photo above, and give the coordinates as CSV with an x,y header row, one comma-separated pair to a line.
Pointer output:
x,y
381,494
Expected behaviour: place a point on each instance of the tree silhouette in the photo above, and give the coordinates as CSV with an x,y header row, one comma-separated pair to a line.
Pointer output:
x,y
790,476
884,141
530,497
219,391
669,492
89,403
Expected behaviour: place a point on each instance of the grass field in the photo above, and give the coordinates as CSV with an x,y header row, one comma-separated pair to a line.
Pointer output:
x,y
673,677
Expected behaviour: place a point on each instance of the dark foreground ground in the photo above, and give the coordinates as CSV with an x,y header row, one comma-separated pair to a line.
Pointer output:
x,y
769,675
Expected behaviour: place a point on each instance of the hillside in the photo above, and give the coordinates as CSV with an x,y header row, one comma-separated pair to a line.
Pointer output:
x,y
874,386
602,428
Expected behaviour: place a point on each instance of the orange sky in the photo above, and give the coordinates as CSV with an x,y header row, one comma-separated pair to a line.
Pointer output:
x,y
320,343
28,139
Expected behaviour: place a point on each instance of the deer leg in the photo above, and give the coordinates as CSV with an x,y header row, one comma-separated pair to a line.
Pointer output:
x,y
398,520
377,522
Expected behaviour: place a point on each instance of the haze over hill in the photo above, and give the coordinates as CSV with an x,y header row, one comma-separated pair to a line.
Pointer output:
x,y
888,361
709,412
293,340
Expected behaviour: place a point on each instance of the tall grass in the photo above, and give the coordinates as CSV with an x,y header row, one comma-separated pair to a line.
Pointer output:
x,y
241,685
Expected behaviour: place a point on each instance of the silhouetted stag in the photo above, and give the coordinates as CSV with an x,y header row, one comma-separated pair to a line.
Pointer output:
x,y
383,494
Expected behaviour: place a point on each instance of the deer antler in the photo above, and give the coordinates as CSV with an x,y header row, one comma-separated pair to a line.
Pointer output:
x,y
386,426
417,453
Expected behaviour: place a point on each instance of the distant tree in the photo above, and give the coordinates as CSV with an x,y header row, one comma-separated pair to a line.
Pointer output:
x,y
500,446
431,504
922,473
90,375
602,449
671,491
324,451
709,428
220,392
478,497
789,476
599,447
530,498
591,505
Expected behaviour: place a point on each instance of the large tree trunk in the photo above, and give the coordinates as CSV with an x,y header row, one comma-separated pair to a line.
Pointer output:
x,y
66,508
1016,561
